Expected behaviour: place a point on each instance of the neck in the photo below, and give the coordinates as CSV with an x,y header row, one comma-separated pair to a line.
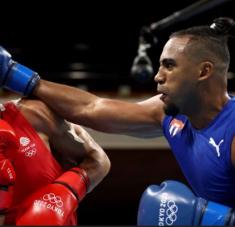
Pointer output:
x,y
207,110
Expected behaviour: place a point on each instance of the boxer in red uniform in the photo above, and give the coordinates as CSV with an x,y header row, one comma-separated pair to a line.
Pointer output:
x,y
48,165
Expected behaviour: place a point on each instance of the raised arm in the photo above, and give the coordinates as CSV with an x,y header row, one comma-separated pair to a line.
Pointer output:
x,y
77,148
141,119
97,164
82,107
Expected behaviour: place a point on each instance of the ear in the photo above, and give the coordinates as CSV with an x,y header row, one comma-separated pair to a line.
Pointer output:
x,y
206,70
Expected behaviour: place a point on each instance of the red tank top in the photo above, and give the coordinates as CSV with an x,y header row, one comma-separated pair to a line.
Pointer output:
x,y
34,164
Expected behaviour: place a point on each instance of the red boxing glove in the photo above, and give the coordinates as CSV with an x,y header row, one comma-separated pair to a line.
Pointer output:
x,y
8,138
7,172
7,178
55,203
8,142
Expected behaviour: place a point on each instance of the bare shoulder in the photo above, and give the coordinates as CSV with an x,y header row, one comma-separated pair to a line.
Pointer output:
x,y
41,117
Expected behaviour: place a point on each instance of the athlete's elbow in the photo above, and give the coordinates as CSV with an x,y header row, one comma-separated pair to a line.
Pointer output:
x,y
105,165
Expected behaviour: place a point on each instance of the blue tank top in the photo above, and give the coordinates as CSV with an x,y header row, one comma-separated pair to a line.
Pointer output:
x,y
205,155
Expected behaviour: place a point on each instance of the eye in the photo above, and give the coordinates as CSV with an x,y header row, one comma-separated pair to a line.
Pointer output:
x,y
168,64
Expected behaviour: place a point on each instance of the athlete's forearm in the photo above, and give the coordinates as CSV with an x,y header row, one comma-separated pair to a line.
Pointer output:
x,y
96,162
71,103
107,115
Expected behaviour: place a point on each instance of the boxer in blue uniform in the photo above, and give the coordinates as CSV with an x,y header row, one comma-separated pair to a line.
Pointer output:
x,y
192,106
205,154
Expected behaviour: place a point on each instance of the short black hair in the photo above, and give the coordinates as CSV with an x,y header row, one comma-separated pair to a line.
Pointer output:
x,y
212,39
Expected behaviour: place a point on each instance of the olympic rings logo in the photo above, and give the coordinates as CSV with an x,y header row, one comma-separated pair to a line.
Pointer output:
x,y
30,153
171,211
52,198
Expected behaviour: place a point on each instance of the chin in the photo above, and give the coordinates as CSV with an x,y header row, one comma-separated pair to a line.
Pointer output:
x,y
171,110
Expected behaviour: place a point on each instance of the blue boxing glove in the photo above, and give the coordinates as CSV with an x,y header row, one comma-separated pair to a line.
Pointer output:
x,y
16,77
173,203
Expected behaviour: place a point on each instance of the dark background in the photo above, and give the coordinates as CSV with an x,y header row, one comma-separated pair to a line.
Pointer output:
x,y
93,43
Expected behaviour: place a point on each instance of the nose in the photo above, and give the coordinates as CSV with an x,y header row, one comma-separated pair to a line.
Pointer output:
x,y
160,78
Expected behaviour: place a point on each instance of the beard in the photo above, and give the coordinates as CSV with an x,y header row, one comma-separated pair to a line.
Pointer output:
x,y
171,110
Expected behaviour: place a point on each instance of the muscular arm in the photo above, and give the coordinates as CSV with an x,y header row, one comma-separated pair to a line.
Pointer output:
x,y
74,146
76,142
108,115
97,163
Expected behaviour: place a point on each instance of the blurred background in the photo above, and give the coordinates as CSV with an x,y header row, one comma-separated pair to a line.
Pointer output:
x,y
92,45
